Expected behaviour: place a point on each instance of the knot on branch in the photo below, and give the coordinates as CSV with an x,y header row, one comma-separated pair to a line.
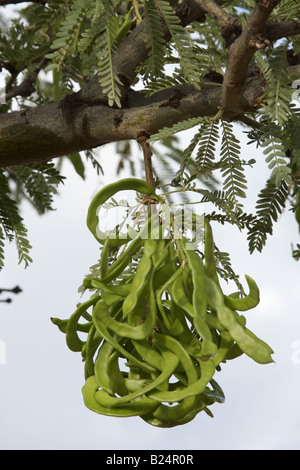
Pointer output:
x,y
175,99
259,42
214,76
231,32
142,137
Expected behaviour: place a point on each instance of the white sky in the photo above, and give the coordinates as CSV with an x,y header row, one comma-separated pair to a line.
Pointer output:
x,y
41,405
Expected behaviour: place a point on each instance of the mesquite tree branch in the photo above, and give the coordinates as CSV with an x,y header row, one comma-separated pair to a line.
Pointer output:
x,y
27,86
223,18
241,52
230,26
67,126
282,29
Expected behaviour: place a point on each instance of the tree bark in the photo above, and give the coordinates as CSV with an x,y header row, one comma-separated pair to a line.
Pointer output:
x,y
57,129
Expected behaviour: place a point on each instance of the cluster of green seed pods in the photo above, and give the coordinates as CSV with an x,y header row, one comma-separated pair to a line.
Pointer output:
x,y
155,339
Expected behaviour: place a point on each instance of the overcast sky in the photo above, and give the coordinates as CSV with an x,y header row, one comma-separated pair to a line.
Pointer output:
x,y
41,404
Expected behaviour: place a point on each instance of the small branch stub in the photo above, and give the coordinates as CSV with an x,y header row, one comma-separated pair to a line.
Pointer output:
x,y
147,152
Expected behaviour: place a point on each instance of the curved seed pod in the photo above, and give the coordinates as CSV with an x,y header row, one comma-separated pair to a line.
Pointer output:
x,y
226,342
103,331
101,366
200,304
143,270
169,421
209,247
116,379
92,343
171,361
186,337
195,385
137,408
250,344
123,260
149,354
162,275
142,331
103,195
179,411
73,341
61,324
248,302
132,385
216,394
176,328
180,298
120,289
138,314
234,352
168,319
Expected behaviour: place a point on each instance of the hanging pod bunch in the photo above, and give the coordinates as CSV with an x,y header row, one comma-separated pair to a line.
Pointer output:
x,y
152,341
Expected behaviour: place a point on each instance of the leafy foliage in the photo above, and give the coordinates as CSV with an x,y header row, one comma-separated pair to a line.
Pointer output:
x,y
278,96
155,39
274,150
225,269
231,166
106,45
206,137
37,183
12,226
270,204
67,37
179,127
182,42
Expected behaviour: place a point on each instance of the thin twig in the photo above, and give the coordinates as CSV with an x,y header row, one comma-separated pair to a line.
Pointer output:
x,y
26,87
223,18
282,29
249,122
147,159
15,290
72,72
230,26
